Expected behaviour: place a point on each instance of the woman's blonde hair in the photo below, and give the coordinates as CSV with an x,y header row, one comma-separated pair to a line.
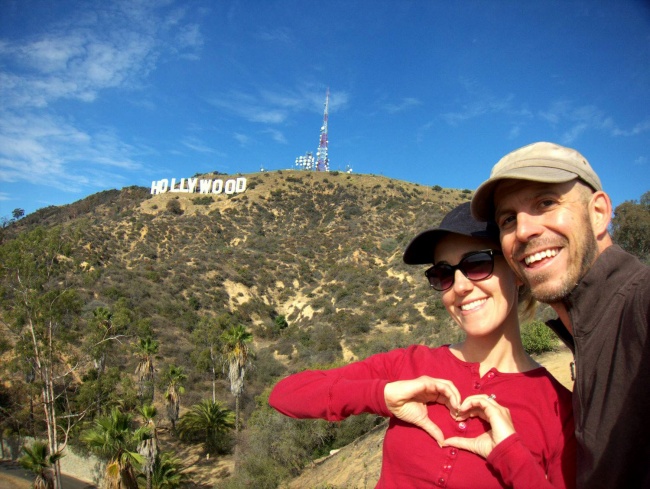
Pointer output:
x,y
527,305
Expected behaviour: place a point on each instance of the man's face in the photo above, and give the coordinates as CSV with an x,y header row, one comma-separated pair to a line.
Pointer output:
x,y
546,234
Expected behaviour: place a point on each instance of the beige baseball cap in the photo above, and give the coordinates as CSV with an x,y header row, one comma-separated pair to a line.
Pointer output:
x,y
537,162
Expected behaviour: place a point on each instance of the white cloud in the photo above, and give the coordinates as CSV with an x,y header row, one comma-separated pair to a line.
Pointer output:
x,y
639,128
242,139
276,135
575,131
97,49
51,151
281,35
570,120
275,107
581,119
404,104
249,108
197,145
483,105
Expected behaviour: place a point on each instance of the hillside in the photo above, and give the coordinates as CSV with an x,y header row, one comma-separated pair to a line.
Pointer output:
x,y
317,248
309,262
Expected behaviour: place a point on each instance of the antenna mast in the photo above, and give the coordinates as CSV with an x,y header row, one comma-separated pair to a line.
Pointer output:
x,y
323,163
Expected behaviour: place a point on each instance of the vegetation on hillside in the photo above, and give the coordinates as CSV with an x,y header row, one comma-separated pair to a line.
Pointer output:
x,y
199,305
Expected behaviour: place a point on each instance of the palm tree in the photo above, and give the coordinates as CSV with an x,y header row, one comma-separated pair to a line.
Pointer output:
x,y
174,376
146,349
148,446
168,472
37,460
208,421
236,354
113,438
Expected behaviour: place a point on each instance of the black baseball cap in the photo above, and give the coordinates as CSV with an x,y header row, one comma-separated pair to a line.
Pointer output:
x,y
458,221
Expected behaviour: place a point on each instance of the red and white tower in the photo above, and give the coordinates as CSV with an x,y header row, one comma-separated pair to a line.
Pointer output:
x,y
322,161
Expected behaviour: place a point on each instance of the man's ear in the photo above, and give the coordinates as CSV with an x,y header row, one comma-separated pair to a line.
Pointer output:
x,y
600,213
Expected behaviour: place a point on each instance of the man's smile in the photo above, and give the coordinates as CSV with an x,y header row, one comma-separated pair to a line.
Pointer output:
x,y
540,255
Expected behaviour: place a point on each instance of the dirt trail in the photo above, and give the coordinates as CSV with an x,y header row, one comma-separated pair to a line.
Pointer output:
x,y
13,476
559,364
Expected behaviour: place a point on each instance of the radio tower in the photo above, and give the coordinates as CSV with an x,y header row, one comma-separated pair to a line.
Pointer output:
x,y
323,163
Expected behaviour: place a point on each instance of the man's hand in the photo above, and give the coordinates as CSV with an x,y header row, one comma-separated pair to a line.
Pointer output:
x,y
484,407
408,399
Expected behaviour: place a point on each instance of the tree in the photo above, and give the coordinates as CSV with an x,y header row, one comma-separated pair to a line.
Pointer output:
x,y
209,422
168,472
236,354
631,226
146,350
207,340
38,460
148,446
42,309
17,213
114,438
102,331
173,377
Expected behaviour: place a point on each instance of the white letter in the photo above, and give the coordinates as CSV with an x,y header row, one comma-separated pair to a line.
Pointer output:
x,y
164,185
191,185
230,187
205,186
172,187
241,184
217,186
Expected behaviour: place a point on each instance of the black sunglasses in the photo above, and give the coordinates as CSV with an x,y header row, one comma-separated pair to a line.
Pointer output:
x,y
477,265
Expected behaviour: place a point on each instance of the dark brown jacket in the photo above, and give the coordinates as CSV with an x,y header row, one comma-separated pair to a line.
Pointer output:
x,y
609,311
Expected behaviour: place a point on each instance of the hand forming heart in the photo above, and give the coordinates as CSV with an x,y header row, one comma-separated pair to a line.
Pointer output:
x,y
408,399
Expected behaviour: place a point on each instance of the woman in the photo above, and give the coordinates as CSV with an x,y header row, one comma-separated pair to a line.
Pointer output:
x,y
477,414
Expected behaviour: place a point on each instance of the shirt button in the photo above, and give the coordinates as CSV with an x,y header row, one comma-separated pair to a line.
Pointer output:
x,y
462,426
491,375
441,482
453,452
446,467
477,385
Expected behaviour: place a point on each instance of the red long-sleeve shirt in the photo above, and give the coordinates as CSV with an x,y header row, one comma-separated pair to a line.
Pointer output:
x,y
540,455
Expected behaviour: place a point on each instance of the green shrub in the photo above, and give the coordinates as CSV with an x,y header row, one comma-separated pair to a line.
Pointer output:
x,y
205,200
537,337
174,207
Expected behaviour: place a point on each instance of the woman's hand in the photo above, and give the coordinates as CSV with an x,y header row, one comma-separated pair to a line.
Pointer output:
x,y
408,399
484,407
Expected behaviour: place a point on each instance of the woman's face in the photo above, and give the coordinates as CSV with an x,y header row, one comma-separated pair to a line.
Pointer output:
x,y
484,307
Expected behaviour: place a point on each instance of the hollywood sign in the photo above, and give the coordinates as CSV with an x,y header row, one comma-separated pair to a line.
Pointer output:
x,y
202,186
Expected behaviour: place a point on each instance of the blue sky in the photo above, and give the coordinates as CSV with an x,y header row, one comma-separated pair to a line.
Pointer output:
x,y
96,95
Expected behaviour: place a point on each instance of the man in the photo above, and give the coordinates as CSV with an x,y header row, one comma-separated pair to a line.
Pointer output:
x,y
553,217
